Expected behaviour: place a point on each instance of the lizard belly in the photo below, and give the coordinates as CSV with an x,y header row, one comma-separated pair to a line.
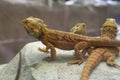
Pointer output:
x,y
63,45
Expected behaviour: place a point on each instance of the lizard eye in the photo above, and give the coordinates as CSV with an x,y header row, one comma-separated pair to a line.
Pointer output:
x,y
83,25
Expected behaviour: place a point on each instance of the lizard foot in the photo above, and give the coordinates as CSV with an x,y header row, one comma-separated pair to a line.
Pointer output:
x,y
49,58
75,62
113,64
43,49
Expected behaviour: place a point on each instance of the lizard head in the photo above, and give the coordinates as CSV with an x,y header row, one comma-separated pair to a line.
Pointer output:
x,y
79,28
34,26
109,28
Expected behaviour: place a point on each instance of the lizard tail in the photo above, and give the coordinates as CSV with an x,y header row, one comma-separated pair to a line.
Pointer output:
x,y
94,58
104,42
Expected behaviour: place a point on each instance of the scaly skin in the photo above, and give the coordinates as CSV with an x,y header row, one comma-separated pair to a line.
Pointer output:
x,y
63,40
108,54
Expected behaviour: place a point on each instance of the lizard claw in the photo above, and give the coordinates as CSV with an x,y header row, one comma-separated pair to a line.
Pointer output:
x,y
43,49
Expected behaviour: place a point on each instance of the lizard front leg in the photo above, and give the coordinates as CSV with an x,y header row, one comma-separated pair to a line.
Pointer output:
x,y
52,50
79,46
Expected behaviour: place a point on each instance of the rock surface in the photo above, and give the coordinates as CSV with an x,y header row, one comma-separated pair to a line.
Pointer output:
x,y
33,67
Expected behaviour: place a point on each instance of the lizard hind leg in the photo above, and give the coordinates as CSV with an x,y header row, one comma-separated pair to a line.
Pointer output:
x,y
110,61
79,46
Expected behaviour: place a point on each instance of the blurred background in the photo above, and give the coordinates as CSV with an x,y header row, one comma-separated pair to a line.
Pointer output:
x,y
57,14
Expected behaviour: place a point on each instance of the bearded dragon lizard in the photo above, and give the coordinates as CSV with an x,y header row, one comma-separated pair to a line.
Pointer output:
x,y
109,31
63,40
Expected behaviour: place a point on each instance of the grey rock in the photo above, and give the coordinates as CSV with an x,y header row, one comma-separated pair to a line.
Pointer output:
x,y
33,67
